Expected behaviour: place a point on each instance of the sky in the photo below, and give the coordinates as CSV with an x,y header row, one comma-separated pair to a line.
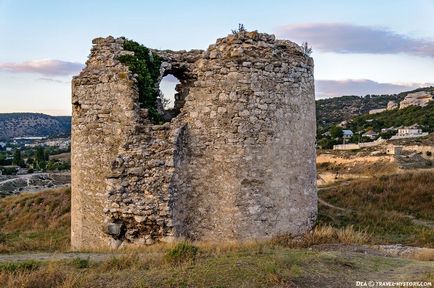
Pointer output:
x,y
359,47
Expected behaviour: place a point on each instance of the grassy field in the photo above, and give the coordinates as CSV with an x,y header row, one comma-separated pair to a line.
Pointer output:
x,y
385,207
253,265
35,221
334,254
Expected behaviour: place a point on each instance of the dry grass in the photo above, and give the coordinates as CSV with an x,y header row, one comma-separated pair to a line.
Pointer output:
x,y
323,235
271,266
382,206
347,162
424,254
409,193
35,221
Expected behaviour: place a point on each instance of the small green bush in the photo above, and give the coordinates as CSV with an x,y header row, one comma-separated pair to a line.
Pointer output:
x,y
29,265
80,263
181,253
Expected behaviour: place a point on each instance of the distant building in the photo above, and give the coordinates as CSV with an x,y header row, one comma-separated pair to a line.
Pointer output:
x,y
393,150
370,134
62,143
2,145
347,133
409,132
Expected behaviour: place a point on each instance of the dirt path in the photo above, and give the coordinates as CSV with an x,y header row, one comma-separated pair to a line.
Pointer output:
x,y
46,256
323,202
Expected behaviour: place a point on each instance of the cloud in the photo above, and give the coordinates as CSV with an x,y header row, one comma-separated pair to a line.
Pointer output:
x,y
360,87
349,38
170,78
52,80
49,67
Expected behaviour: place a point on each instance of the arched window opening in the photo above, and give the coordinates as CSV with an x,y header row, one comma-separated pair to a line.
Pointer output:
x,y
168,88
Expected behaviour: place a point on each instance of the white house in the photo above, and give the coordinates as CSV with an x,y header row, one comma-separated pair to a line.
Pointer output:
x,y
412,131
2,145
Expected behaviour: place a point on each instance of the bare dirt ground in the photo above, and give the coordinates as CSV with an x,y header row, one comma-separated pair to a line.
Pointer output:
x,y
15,184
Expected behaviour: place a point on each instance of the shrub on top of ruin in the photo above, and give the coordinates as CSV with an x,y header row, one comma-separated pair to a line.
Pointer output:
x,y
147,68
307,50
241,28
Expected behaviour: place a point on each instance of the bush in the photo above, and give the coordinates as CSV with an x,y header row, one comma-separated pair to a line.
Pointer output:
x,y
80,263
20,266
147,67
181,253
8,170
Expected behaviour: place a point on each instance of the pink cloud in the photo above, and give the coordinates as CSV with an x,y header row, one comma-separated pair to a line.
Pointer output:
x,y
49,67
349,38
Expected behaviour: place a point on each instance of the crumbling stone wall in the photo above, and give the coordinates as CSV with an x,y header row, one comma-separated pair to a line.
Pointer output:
x,y
235,160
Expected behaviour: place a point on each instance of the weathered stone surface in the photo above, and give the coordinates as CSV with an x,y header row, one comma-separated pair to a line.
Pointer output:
x,y
421,99
235,162
391,105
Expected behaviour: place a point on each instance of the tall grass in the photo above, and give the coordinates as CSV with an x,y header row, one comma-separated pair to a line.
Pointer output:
x,y
323,235
383,206
35,221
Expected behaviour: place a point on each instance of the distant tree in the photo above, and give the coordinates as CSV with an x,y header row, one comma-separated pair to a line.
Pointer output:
x,y
30,161
39,154
165,102
46,155
8,170
336,132
326,143
387,134
17,157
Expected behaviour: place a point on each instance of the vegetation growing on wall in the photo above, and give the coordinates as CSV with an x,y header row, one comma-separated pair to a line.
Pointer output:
x,y
147,67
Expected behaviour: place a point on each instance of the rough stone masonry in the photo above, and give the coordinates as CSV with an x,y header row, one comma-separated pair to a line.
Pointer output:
x,y
235,161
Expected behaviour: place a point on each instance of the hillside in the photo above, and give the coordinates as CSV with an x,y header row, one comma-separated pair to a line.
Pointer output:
x,y
424,116
335,110
33,124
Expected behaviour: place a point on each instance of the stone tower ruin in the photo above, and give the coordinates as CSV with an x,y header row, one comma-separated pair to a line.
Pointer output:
x,y
233,160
